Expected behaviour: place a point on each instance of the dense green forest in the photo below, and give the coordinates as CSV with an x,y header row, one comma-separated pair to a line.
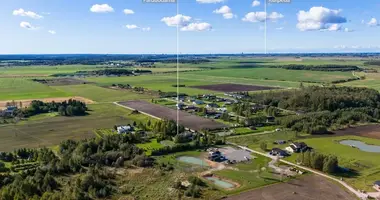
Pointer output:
x,y
341,68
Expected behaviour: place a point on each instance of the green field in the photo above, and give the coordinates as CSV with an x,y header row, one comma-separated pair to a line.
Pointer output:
x,y
152,145
50,131
277,74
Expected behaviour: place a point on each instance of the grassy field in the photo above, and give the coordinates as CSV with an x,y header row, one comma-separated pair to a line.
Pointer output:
x,y
50,131
100,94
372,80
277,74
152,145
20,88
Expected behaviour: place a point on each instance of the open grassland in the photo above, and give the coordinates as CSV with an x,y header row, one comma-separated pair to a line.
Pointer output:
x,y
150,146
45,70
100,94
20,88
165,83
372,80
278,74
50,130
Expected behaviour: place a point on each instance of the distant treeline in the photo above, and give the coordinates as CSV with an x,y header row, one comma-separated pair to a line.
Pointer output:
x,y
342,68
105,72
373,62
183,61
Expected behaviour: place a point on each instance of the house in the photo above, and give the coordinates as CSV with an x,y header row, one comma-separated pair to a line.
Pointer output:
x,y
10,109
270,119
291,149
376,185
216,156
299,147
125,129
222,109
209,96
180,106
198,102
278,152
191,107
212,105
280,142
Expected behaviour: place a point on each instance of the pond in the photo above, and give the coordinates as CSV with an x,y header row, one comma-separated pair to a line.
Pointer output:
x,y
361,145
219,182
192,160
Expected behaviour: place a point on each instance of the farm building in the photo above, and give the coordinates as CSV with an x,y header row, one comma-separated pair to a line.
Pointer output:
x,y
222,109
376,185
125,129
212,105
198,102
10,109
298,147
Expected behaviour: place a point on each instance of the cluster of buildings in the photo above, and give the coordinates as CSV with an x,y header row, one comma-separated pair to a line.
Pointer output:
x,y
294,147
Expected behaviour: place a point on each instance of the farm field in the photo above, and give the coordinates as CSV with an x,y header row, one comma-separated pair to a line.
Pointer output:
x,y
228,87
370,131
278,74
100,94
51,130
188,120
311,187
372,80
20,88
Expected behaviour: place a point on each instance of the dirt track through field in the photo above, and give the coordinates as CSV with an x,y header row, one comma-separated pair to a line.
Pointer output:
x,y
26,102
186,119
311,187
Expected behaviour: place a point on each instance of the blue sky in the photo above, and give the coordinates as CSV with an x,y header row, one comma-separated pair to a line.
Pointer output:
x,y
229,26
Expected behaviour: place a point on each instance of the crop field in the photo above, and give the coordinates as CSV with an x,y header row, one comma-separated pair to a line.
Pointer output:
x,y
188,120
278,74
372,80
100,94
60,81
370,131
310,187
20,88
228,87
51,130
44,70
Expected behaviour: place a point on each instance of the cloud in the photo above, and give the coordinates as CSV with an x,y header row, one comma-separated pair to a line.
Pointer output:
x,y
210,1
27,25
197,27
131,26
128,12
23,13
373,22
280,28
225,11
256,3
53,32
319,18
180,20
334,27
262,16
348,30
146,29
101,8
353,47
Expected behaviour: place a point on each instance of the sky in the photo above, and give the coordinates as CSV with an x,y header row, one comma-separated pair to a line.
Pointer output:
x,y
188,26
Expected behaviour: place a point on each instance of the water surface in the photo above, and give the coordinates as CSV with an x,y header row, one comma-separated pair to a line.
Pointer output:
x,y
217,181
192,160
361,145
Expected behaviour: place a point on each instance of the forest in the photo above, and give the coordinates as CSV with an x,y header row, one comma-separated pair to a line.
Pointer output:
x,y
330,68
105,72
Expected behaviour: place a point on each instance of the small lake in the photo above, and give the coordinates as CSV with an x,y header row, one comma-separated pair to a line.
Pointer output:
x,y
361,145
220,183
192,160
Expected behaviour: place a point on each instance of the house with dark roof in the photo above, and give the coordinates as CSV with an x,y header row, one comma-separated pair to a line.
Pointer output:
x,y
299,147
376,185
278,152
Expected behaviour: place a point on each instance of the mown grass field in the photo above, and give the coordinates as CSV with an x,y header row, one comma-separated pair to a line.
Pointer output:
x,y
50,131
152,145
277,74
20,88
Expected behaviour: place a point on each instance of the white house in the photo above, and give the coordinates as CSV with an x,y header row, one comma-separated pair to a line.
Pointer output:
x,y
124,129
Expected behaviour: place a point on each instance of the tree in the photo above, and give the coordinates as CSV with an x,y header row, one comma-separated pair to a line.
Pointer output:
x,y
330,164
263,146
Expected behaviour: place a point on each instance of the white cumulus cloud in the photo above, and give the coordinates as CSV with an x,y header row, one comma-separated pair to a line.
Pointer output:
x,y
348,30
27,25
319,18
225,11
131,26
203,26
180,20
23,13
53,32
280,28
128,11
334,27
146,29
373,22
262,16
210,1
101,8
256,3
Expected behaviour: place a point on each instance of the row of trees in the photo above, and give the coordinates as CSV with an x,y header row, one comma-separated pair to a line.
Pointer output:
x,y
315,160
329,67
67,108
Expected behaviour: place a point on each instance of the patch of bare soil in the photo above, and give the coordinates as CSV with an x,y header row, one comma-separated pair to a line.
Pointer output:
x,y
370,131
